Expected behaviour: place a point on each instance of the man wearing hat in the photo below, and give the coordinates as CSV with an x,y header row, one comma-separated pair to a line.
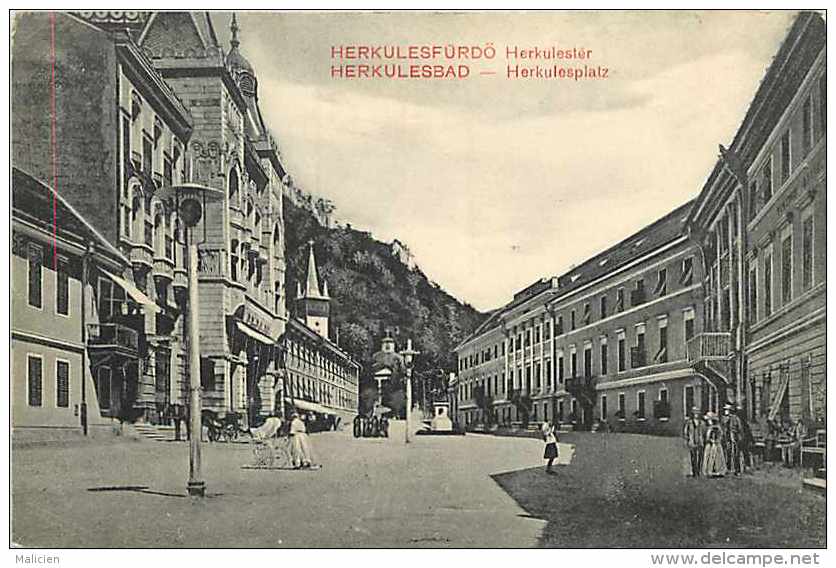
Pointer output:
x,y
732,437
694,434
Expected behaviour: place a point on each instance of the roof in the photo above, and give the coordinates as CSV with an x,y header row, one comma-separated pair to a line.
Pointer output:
x,y
652,237
299,327
34,198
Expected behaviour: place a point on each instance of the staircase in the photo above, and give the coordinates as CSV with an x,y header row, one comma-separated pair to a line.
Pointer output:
x,y
709,354
157,433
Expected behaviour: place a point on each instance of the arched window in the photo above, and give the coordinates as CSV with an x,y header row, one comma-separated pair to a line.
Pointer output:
x,y
276,240
159,233
233,185
149,223
137,212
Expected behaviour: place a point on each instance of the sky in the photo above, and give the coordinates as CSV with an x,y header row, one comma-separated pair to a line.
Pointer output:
x,y
492,182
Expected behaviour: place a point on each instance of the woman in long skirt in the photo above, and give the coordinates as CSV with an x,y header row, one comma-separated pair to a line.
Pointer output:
x,y
714,458
300,444
550,438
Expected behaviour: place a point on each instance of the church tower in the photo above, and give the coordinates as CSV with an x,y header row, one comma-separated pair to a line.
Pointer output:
x,y
313,305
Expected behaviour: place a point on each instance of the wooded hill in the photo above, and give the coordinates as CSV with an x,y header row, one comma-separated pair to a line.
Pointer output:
x,y
373,291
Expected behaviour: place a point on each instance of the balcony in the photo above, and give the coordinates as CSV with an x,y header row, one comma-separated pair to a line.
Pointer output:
x,y
181,278
710,346
141,256
112,337
163,268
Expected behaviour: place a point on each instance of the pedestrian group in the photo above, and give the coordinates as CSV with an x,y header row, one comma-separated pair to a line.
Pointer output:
x,y
717,445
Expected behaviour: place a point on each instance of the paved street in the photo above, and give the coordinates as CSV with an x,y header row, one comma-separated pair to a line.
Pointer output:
x,y
475,491
370,493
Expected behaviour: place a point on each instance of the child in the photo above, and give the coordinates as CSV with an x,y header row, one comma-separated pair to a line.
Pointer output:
x,y
550,438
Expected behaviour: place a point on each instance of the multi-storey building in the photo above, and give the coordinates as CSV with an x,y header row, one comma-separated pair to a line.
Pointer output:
x,y
95,120
621,321
760,222
317,374
605,341
241,265
52,387
723,300
496,363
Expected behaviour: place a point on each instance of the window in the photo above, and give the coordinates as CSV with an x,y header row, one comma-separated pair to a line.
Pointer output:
x,y
637,353
604,355
807,252
753,199
786,267
233,185
36,260
622,406
62,384
807,125
687,275
111,299
688,315
147,156
162,371
34,380
640,414
572,319
559,329
603,407
587,313
619,300
537,383
233,260
560,375
661,283
587,360
767,282
547,331
62,288
573,363
622,356
528,378
536,334
603,304
662,409
549,376
753,292
662,353
149,225
767,180
786,157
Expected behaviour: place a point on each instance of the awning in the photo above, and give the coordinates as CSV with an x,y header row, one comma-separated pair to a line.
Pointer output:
x,y
311,406
246,330
135,293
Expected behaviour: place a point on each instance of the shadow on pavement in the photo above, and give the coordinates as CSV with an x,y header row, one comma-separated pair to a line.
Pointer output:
x,y
145,490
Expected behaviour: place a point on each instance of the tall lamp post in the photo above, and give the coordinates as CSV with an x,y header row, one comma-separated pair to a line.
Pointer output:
x,y
408,355
190,201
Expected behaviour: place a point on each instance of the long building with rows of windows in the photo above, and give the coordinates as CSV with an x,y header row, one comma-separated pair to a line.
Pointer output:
x,y
720,301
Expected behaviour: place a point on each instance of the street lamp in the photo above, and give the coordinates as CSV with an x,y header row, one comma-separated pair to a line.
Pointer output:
x,y
190,201
408,354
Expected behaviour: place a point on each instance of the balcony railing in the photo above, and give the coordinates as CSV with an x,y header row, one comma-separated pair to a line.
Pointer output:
x,y
111,335
709,346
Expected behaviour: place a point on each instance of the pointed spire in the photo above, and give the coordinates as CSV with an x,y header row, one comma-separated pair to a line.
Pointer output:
x,y
233,27
324,288
312,285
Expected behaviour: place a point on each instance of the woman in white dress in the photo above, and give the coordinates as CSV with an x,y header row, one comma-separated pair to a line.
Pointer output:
x,y
300,444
